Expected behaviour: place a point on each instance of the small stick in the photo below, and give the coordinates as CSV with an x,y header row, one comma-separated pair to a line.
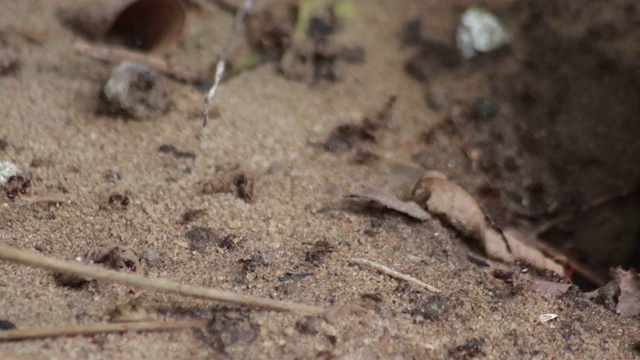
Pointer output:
x,y
12,254
92,329
220,66
46,198
385,270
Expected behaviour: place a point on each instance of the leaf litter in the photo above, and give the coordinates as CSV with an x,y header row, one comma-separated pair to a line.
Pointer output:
x,y
459,209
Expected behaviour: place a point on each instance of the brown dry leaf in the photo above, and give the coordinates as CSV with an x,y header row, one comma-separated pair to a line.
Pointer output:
x,y
389,201
549,287
445,198
524,248
629,298
460,209
495,245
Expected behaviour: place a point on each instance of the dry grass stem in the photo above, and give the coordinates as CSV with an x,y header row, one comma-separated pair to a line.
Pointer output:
x,y
12,254
388,271
92,329
220,66
46,198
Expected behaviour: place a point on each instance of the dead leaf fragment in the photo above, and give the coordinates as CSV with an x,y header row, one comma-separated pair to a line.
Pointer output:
x,y
447,199
629,298
549,287
389,201
527,250
443,197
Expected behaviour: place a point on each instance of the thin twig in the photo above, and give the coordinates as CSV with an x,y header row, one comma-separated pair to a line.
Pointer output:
x,y
385,270
92,329
46,198
12,254
226,50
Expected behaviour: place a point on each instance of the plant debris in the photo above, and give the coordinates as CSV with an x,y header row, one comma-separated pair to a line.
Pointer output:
x,y
301,37
443,197
381,197
294,277
395,274
229,182
170,149
192,215
549,287
458,208
621,294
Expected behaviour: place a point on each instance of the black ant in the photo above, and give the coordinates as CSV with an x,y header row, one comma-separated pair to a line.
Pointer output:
x,y
16,184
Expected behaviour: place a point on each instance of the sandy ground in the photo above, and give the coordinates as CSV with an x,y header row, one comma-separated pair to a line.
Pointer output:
x,y
268,126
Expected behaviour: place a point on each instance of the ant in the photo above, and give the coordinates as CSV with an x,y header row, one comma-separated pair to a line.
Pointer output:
x,y
16,184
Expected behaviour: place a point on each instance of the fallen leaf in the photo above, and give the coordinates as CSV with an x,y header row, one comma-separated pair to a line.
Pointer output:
x,y
495,245
629,298
388,200
549,287
524,248
443,197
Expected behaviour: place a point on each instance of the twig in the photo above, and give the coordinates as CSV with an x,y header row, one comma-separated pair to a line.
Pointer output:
x,y
385,270
220,66
9,253
92,329
46,198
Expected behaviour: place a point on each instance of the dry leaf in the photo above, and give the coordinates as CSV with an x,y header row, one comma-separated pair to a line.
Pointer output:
x,y
388,200
549,287
495,245
460,209
525,249
445,198
629,299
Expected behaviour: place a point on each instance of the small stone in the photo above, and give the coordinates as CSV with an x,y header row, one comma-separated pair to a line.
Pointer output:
x,y
151,257
7,170
479,32
134,91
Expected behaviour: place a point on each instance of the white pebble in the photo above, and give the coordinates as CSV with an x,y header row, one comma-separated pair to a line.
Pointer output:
x,y
7,170
480,31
